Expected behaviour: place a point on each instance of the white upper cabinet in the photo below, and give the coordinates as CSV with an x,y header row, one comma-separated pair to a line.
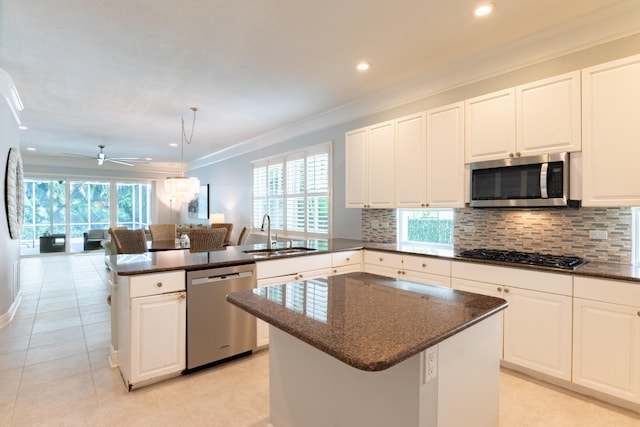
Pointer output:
x,y
356,170
611,133
370,166
535,118
548,115
445,156
490,130
411,161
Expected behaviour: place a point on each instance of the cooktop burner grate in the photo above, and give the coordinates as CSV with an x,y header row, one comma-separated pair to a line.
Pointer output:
x,y
531,258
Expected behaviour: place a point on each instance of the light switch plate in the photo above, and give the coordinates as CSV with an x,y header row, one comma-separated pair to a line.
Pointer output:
x,y
598,235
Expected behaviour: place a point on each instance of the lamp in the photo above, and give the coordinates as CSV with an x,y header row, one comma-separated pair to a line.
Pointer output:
x,y
216,218
183,188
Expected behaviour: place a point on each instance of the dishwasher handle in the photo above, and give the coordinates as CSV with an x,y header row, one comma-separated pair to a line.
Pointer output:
x,y
221,278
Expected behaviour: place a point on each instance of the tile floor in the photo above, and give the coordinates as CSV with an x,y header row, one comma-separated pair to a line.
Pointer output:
x,y
54,370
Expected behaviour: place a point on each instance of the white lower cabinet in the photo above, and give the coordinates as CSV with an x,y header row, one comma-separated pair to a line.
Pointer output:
x,y
606,338
151,327
419,269
281,271
538,321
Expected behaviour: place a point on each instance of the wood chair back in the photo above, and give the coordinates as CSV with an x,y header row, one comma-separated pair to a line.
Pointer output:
x,y
206,239
162,231
129,241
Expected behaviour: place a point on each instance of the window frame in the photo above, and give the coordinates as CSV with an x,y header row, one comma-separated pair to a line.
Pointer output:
x,y
264,198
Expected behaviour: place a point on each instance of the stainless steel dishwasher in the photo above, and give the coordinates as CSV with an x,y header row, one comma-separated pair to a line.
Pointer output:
x,y
216,329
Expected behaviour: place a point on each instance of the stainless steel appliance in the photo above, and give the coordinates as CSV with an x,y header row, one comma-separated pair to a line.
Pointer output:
x,y
531,258
216,329
534,181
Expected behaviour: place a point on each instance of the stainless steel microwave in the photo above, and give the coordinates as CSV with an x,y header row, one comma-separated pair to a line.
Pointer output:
x,y
534,181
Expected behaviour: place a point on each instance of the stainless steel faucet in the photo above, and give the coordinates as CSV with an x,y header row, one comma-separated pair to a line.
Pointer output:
x,y
267,218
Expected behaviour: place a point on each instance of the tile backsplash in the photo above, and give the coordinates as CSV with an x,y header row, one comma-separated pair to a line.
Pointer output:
x,y
554,231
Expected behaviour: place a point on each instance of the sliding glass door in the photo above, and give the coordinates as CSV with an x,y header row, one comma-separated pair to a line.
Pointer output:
x,y
58,213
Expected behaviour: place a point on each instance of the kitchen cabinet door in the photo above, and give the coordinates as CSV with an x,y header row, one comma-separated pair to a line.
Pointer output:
x,y
490,126
370,167
606,352
382,165
445,156
610,129
158,336
537,331
356,168
548,115
411,159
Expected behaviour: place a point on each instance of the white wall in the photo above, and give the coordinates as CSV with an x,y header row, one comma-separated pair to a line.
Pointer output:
x,y
10,249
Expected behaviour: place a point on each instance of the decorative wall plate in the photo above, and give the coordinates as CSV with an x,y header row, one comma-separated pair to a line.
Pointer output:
x,y
14,193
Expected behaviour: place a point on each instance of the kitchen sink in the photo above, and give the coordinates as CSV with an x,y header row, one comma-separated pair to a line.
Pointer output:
x,y
279,251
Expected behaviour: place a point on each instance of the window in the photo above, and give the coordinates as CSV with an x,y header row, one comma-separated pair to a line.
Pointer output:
x,y
294,190
433,227
52,206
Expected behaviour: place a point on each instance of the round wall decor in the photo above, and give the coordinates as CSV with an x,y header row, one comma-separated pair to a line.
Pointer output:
x,y
14,193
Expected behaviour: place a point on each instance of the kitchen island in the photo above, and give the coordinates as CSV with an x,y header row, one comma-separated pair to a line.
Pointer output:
x,y
362,349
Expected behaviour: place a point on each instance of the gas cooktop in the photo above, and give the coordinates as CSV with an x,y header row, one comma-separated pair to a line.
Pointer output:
x,y
530,258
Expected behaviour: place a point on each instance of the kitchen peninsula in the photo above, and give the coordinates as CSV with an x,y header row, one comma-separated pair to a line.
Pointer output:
x,y
363,349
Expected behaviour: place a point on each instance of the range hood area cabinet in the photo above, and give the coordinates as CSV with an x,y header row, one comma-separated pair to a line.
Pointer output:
x,y
611,133
541,117
402,162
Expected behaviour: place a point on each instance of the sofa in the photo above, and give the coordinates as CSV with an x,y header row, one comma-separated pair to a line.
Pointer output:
x,y
93,239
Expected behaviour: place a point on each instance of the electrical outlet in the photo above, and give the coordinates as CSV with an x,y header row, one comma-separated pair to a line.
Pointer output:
x,y
384,225
469,229
375,224
431,363
598,235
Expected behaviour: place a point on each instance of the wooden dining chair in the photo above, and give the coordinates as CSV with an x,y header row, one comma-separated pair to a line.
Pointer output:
x,y
129,241
206,239
162,231
244,233
228,227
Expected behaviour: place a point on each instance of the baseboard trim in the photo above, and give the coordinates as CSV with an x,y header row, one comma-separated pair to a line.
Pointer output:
x,y
6,318
114,358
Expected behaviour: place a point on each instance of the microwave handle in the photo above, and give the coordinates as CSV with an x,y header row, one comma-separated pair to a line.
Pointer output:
x,y
543,180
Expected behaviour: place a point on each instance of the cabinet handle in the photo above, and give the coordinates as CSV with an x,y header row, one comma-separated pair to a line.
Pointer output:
x,y
348,259
499,289
511,154
424,265
639,313
335,270
506,290
517,154
159,284
399,271
182,296
380,259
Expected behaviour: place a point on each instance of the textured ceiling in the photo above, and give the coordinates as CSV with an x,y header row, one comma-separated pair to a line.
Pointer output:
x,y
122,73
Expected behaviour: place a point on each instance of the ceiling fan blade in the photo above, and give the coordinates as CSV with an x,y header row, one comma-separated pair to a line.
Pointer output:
x,y
119,162
124,158
79,155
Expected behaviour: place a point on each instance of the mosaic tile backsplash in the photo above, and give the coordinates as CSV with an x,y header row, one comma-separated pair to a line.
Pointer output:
x,y
554,231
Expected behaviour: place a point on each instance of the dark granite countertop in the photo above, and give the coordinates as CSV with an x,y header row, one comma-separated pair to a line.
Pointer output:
x,y
367,321
154,262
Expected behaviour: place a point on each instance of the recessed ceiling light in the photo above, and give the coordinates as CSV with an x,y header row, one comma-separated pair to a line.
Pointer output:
x,y
173,144
484,9
22,127
363,66
31,149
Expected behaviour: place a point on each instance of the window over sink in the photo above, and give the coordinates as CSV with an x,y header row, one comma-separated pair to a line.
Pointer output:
x,y
429,227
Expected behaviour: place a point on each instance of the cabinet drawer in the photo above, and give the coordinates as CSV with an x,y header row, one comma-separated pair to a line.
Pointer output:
x,y
156,283
292,265
611,291
339,259
385,259
427,265
344,269
554,283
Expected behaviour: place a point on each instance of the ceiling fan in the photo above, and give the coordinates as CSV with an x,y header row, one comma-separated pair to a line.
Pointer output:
x,y
101,158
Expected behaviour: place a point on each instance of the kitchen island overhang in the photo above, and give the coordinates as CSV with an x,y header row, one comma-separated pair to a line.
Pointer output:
x,y
366,349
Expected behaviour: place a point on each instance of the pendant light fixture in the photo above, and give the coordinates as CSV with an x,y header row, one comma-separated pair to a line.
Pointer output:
x,y
182,188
